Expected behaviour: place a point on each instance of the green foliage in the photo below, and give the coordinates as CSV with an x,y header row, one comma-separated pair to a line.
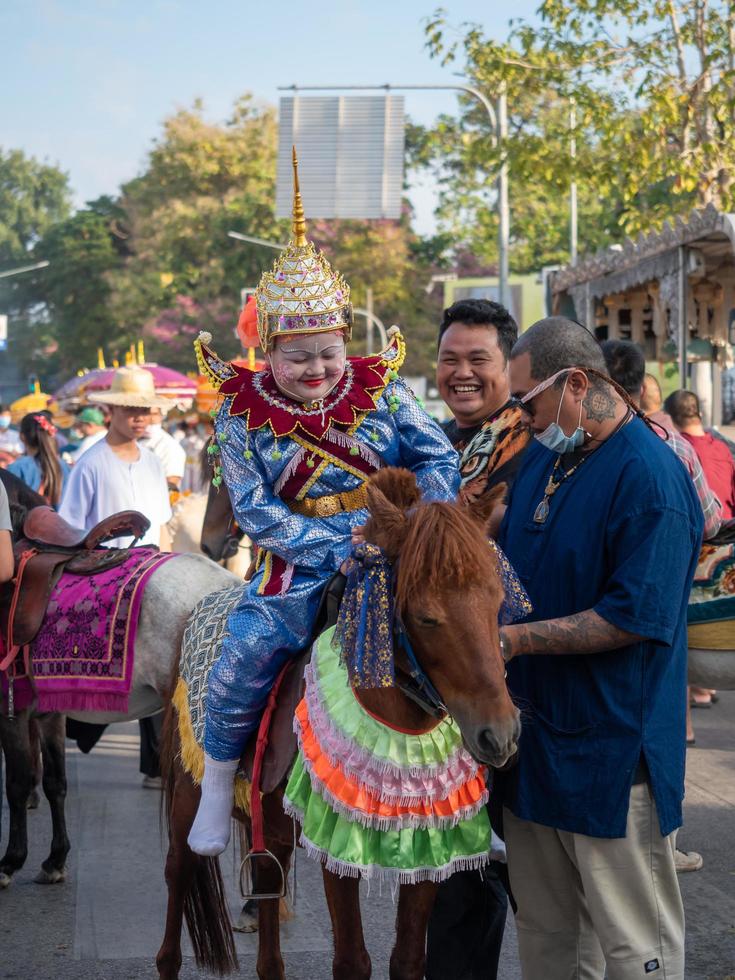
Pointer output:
x,y
653,84
389,258
184,274
76,287
33,196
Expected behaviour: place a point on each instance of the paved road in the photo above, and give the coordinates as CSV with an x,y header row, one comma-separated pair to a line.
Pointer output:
x,y
106,921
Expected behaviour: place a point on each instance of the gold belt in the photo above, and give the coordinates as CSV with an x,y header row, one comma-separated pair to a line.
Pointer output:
x,y
335,503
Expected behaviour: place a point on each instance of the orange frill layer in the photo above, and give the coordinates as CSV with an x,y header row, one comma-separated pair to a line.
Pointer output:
x,y
354,797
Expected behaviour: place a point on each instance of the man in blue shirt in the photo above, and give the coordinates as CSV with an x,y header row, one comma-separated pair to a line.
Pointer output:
x,y
603,527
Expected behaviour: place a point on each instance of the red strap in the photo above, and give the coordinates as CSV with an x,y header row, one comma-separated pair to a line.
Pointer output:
x,y
12,648
256,805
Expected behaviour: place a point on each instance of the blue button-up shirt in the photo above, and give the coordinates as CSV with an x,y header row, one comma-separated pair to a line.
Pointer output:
x,y
622,538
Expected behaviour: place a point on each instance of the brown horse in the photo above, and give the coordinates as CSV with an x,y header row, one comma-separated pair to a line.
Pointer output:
x,y
448,594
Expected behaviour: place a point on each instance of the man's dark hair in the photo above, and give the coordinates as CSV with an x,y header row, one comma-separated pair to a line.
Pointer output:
x,y
555,343
482,312
626,364
682,406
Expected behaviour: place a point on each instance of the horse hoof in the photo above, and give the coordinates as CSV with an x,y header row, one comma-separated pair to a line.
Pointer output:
x,y
33,800
53,877
4,880
246,923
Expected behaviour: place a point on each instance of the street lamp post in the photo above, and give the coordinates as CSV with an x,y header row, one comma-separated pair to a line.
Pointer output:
x,y
23,268
254,240
499,124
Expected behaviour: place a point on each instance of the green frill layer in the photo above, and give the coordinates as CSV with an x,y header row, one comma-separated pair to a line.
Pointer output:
x,y
414,753
403,856
346,846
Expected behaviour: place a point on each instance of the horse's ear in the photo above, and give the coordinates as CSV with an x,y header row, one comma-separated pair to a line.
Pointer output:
x,y
485,509
387,524
397,485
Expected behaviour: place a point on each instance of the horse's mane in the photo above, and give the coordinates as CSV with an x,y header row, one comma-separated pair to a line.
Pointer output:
x,y
443,543
435,543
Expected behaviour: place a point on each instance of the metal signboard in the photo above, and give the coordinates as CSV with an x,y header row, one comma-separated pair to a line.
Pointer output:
x,y
350,151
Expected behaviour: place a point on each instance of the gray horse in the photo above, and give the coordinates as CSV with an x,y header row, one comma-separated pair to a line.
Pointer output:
x,y
171,594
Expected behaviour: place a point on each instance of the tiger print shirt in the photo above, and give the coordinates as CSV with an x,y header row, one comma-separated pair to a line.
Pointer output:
x,y
491,452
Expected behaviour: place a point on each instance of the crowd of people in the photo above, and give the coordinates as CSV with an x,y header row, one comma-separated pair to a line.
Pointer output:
x,y
604,757
608,485
116,457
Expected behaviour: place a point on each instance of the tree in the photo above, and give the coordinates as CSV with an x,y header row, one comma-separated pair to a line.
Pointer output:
x,y
653,86
389,258
84,252
184,274
33,198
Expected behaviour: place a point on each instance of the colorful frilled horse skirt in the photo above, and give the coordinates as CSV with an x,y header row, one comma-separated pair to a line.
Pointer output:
x,y
378,802
371,800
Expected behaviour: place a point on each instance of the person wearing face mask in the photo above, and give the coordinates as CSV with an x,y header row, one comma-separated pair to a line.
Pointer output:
x,y
603,528
169,451
295,445
9,437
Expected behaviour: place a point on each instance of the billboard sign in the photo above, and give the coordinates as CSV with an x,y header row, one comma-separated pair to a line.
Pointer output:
x,y
350,151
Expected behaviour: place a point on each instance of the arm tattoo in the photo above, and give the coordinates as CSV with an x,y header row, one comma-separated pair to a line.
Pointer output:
x,y
584,632
599,403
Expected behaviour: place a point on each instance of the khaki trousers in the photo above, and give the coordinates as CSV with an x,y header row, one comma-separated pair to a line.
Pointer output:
x,y
587,905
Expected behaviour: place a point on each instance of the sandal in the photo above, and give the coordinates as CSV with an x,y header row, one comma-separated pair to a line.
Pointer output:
x,y
693,703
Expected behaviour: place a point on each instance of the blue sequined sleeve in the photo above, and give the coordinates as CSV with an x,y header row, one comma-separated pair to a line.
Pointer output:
x,y
310,542
424,448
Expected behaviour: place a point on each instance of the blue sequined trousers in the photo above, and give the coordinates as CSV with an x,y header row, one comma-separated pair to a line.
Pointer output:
x,y
264,631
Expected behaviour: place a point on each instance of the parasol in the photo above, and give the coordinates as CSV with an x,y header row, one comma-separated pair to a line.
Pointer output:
x,y
34,401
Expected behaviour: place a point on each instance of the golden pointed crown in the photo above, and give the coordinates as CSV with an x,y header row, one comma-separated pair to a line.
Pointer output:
x,y
302,294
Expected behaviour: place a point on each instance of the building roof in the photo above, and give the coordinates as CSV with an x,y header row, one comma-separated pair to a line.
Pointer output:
x,y
712,231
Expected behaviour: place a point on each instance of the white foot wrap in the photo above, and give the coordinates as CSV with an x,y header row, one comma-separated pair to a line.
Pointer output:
x,y
210,832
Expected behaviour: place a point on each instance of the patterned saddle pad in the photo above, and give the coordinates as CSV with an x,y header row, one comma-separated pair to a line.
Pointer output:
x,y
200,649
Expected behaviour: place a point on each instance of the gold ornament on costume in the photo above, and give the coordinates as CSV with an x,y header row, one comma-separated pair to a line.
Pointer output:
x,y
302,294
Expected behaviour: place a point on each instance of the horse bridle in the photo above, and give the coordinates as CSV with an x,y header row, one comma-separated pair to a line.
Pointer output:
x,y
414,682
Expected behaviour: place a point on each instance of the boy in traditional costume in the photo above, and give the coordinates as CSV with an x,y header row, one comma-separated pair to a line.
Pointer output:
x,y
297,443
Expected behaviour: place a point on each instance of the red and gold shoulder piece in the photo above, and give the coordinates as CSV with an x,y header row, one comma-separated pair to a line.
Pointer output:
x,y
210,363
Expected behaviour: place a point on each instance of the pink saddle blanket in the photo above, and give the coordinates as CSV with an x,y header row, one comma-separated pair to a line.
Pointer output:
x,y
82,657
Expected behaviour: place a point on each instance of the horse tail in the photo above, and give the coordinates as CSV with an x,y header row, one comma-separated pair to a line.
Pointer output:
x,y
205,904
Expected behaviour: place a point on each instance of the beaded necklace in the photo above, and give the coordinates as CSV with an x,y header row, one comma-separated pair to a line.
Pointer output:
x,y
553,483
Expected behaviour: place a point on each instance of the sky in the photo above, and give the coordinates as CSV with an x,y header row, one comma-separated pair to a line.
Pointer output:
x,y
86,84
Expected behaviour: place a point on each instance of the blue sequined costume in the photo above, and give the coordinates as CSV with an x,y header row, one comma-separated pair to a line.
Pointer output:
x,y
299,548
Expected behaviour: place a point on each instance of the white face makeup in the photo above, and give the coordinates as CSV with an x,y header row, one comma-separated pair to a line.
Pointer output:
x,y
307,366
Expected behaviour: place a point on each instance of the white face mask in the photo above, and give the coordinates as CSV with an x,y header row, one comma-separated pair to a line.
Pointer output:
x,y
153,429
554,437
4,421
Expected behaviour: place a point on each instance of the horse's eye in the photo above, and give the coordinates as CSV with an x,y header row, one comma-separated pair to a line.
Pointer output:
x,y
427,621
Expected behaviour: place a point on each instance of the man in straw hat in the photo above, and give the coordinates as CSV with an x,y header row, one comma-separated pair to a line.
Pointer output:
x,y
295,444
116,473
